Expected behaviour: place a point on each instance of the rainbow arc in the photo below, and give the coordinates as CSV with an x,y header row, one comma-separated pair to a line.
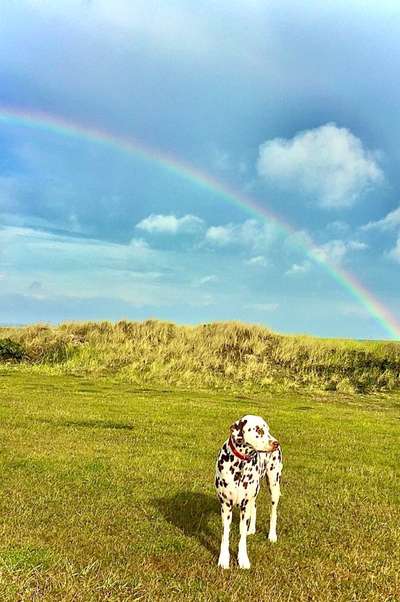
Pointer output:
x,y
62,127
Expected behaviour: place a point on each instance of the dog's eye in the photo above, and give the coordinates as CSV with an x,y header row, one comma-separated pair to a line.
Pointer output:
x,y
260,431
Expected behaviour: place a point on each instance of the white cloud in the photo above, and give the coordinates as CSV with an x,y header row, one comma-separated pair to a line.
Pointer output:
x,y
251,233
328,163
335,251
299,268
208,279
299,240
389,222
170,224
356,245
221,235
258,261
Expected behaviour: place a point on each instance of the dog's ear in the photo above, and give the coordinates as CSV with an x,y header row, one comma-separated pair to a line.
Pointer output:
x,y
237,430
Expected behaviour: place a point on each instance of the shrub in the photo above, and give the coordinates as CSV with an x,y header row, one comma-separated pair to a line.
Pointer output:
x,y
11,351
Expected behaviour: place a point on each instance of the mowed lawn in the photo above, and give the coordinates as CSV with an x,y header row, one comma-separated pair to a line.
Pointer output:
x,y
107,494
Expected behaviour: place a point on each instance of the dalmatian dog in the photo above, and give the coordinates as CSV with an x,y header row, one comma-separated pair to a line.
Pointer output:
x,y
249,454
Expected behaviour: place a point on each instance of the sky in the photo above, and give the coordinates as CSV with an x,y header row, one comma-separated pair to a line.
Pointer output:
x,y
247,167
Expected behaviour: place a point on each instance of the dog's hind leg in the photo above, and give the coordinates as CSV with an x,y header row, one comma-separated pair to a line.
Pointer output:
x,y
226,516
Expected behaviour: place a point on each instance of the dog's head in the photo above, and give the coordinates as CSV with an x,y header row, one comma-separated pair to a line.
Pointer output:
x,y
254,431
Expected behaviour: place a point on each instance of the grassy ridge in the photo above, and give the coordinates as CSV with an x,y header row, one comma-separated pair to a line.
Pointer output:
x,y
221,354
107,494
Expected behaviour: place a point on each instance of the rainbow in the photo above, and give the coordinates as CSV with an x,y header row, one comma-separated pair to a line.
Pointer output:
x,y
63,127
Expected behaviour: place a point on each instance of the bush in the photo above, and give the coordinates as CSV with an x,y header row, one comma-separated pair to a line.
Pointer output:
x,y
11,351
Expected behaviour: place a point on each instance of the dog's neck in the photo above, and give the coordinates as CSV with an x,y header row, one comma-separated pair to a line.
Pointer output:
x,y
241,450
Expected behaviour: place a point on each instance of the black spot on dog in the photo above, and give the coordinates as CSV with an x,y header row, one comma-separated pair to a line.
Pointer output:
x,y
242,424
243,504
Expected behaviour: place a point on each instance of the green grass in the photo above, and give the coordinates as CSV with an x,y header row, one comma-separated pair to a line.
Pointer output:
x,y
107,494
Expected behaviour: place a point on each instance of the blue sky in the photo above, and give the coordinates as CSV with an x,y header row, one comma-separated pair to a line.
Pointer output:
x,y
294,104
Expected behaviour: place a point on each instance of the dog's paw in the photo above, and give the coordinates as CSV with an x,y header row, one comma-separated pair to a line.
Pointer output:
x,y
223,562
251,531
272,537
244,563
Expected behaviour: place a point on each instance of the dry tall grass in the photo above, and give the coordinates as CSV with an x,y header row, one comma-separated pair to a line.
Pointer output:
x,y
222,354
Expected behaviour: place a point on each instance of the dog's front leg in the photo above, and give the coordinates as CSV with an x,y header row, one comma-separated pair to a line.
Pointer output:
x,y
253,515
245,518
275,495
226,516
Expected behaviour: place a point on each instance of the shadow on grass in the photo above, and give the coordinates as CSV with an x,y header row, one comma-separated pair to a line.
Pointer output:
x,y
190,512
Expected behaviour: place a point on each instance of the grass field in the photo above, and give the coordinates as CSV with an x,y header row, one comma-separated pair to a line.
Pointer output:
x,y
107,494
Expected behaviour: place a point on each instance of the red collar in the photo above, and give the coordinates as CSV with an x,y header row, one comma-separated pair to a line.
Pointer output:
x,y
236,452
